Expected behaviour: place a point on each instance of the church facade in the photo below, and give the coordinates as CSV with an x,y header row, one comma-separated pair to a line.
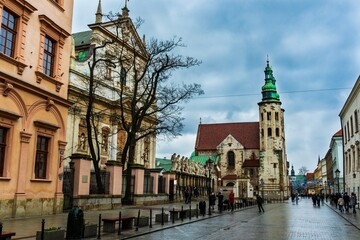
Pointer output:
x,y
250,157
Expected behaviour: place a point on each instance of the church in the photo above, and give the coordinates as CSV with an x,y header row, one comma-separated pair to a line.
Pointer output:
x,y
249,157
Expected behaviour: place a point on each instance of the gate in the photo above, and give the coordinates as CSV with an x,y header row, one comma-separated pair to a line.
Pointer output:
x,y
68,186
132,189
171,190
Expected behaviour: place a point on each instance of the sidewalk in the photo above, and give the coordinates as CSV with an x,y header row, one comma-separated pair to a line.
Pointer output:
x,y
26,228
352,218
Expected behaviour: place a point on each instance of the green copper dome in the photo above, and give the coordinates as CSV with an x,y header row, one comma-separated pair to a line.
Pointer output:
x,y
269,93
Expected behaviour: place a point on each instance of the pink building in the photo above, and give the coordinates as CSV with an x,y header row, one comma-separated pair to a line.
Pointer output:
x,y
35,48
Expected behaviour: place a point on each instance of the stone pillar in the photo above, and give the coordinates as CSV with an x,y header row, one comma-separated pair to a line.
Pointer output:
x,y
114,168
168,176
82,164
59,196
20,195
138,172
155,174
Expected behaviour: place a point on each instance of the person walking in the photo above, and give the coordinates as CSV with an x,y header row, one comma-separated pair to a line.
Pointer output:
x,y
341,204
297,198
353,202
220,198
212,200
259,202
187,195
231,200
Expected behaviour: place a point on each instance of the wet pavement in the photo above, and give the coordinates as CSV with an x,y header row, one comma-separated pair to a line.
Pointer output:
x,y
280,221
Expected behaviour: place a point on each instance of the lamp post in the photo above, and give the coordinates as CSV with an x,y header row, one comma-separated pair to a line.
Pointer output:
x,y
337,174
209,166
325,191
262,188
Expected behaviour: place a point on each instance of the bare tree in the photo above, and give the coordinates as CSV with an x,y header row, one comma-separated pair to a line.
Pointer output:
x,y
148,102
303,170
154,101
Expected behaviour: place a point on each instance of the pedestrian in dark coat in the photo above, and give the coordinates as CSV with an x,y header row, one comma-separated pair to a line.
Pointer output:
x,y
187,196
212,200
353,202
259,202
220,198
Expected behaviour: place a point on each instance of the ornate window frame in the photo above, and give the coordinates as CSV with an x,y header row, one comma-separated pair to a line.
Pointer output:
x,y
22,9
51,30
47,130
8,120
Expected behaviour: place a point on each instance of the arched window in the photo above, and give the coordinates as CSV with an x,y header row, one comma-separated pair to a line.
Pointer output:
x,y
230,184
231,159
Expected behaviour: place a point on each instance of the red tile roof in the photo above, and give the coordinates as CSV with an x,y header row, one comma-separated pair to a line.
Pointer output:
x,y
209,136
338,133
309,176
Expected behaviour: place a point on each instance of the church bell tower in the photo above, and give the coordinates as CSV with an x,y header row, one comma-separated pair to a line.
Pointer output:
x,y
273,179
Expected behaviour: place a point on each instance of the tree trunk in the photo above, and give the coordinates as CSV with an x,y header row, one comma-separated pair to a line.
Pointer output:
x,y
94,156
128,198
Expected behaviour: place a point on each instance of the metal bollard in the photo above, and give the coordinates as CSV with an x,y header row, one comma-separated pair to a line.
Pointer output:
x,y
119,230
182,215
150,218
42,229
197,211
138,219
162,216
99,228
173,215
190,212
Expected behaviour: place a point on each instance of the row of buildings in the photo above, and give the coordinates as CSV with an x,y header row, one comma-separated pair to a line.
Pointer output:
x,y
339,169
44,145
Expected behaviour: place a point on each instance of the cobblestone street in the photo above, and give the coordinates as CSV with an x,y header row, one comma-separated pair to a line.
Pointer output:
x,y
280,221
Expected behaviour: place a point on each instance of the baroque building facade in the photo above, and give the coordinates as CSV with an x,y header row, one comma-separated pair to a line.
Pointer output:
x,y
108,81
35,47
349,116
250,156
119,52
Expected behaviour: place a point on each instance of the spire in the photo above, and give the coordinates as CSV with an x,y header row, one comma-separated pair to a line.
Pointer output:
x,y
292,170
125,10
269,93
98,13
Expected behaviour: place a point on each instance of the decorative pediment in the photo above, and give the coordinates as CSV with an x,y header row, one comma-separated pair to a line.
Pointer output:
x,y
230,142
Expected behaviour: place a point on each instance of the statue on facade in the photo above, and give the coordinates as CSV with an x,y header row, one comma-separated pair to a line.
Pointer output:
x,y
178,163
174,162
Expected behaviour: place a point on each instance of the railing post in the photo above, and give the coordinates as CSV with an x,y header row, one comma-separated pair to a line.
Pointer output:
x,y
119,230
150,218
162,216
190,212
182,211
138,219
197,211
173,215
99,229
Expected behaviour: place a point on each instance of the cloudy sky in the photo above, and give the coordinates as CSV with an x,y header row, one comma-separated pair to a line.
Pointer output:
x,y
313,48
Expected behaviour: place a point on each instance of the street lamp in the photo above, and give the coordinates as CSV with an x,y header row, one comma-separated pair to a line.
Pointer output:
x,y
209,166
337,174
